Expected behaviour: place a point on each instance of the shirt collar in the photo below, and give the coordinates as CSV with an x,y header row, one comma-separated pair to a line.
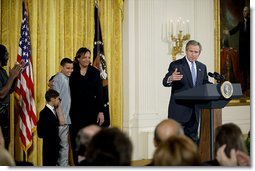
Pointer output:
x,y
51,108
189,61
66,77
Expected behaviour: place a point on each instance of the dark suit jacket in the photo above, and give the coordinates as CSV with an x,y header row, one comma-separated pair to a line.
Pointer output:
x,y
47,128
244,43
87,97
180,111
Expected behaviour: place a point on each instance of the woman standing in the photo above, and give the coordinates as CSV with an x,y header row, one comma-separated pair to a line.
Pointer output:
x,y
86,95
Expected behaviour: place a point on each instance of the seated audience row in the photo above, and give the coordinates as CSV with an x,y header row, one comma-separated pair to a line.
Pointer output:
x,y
112,147
173,148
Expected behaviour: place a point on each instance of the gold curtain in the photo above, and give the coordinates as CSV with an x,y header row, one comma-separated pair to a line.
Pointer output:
x,y
58,28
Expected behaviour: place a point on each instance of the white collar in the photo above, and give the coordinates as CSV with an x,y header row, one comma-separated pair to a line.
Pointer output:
x,y
190,63
50,107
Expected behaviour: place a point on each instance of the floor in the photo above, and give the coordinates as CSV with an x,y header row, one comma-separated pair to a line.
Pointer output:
x,y
140,162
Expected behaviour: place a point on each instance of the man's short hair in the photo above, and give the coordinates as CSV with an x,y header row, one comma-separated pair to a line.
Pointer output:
x,y
194,43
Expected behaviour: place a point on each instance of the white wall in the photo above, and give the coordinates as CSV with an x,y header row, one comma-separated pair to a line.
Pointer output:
x,y
146,59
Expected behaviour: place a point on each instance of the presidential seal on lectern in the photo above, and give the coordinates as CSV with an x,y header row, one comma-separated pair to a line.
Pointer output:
x,y
226,89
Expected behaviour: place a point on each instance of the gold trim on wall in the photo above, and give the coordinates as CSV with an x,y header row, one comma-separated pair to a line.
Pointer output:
x,y
237,102
217,35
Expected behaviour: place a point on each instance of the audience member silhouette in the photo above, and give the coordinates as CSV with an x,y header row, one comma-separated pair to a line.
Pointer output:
x,y
177,151
83,138
230,149
5,158
109,147
166,129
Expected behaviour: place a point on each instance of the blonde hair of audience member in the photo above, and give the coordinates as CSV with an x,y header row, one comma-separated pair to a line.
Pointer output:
x,y
83,138
166,129
177,151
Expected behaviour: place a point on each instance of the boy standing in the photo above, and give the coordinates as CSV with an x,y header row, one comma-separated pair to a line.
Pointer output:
x,y
61,85
47,128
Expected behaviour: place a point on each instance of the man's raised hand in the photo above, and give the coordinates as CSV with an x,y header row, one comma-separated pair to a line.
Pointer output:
x,y
176,75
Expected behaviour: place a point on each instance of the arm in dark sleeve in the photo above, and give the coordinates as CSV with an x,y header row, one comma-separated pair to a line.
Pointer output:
x,y
13,85
206,80
99,99
47,126
169,73
41,126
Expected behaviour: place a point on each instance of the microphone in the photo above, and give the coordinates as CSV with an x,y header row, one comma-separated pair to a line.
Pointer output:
x,y
219,77
222,77
211,74
216,76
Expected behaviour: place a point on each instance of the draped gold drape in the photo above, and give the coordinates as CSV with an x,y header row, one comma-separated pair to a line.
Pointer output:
x,y
58,28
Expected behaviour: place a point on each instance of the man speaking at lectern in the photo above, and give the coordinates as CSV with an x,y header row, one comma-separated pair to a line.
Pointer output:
x,y
184,74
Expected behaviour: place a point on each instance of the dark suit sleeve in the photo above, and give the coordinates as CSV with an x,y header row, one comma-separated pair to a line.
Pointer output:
x,y
99,92
44,125
206,80
169,73
40,126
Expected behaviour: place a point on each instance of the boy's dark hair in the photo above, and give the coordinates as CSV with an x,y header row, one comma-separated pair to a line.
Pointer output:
x,y
66,61
51,94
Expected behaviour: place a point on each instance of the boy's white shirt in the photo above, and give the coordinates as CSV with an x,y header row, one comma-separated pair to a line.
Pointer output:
x,y
51,108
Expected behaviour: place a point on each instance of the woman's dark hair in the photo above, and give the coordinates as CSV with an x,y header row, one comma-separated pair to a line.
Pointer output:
x,y
231,135
3,51
80,52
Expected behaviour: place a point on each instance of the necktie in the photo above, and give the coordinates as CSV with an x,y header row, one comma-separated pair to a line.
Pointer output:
x,y
193,73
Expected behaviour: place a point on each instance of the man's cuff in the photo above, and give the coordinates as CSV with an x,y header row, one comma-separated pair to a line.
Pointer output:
x,y
169,81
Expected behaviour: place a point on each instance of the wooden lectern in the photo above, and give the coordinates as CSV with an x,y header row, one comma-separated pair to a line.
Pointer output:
x,y
209,100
